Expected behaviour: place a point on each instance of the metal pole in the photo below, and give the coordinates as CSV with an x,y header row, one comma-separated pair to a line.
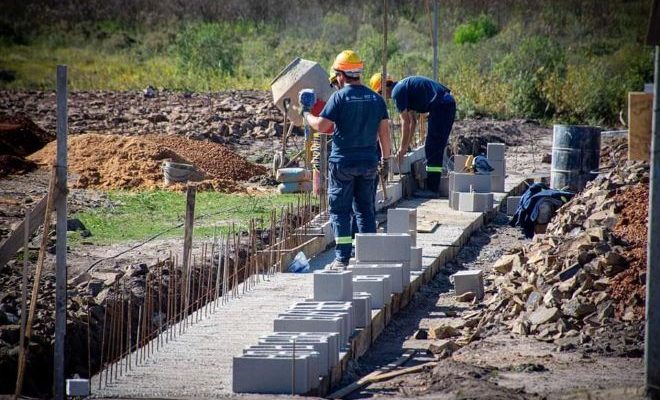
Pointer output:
x,y
435,40
383,86
652,331
60,246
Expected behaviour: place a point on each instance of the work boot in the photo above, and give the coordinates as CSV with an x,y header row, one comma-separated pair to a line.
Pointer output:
x,y
336,265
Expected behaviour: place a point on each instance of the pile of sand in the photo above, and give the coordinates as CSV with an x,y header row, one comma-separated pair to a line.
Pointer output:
x,y
122,162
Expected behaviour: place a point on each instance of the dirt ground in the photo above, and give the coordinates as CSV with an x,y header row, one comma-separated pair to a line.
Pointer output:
x,y
501,366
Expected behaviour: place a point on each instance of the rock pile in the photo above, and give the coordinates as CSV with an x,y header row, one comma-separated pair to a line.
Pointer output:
x,y
565,287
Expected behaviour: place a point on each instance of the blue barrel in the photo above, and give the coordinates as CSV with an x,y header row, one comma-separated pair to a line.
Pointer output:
x,y
575,156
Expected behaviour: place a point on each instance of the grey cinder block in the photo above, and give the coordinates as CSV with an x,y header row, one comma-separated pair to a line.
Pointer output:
x,y
497,183
415,258
378,286
346,328
388,247
319,345
465,182
475,202
468,281
274,372
459,162
362,305
499,167
401,220
512,204
77,387
288,349
395,271
333,285
310,324
330,337
495,151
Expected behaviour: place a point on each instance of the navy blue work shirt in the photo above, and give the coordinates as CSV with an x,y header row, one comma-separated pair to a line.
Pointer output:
x,y
418,93
356,112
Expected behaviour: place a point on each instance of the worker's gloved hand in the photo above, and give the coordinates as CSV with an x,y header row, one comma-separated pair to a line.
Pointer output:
x,y
384,168
307,99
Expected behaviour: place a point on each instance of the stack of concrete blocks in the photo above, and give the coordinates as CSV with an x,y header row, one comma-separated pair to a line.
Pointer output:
x,y
379,288
495,154
384,254
270,373
404,220
327,344
362,309
470,192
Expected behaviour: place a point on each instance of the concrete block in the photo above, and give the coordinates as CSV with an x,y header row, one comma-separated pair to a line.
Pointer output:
x,y
444,186
459,163
471,182
401,220
378,286
333,285
338,307
512,204
497,183
413,237
499,167
346,328
495,151
319,345
362,305
77,387
288,349
395,271
475,202
454,200
298,323
331,338
389,247
415,259
271,373
468,281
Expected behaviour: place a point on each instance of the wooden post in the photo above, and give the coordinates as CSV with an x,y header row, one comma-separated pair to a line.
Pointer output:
x,y
187,243
60,245
652,331
24,282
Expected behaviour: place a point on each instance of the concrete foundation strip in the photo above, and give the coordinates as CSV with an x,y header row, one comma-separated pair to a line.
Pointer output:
x,y
345,391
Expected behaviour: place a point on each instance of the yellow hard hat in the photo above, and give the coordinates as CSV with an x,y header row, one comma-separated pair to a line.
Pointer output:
x,y
376,81
349,63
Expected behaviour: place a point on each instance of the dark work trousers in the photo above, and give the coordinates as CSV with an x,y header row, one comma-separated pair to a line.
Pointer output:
x,y
351,190
441,120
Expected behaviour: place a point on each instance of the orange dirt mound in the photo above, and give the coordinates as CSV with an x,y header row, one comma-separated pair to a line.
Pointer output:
x,y
121,162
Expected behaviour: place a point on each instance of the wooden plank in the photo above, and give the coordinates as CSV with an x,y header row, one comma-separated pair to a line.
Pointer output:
x,y
640,115
427,226
13,243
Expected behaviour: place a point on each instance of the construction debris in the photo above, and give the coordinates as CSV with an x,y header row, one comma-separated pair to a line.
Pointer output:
x,y
586,273
20,137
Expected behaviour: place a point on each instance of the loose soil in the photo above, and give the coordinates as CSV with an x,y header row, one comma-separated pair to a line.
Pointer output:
x,y
123,162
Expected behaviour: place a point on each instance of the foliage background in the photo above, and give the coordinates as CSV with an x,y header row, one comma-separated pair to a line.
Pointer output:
x,y
568,61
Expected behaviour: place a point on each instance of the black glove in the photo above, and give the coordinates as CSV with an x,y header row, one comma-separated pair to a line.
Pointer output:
x,y
384,168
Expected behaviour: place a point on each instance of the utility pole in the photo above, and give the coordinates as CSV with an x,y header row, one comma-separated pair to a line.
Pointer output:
x,y
60,245
435,40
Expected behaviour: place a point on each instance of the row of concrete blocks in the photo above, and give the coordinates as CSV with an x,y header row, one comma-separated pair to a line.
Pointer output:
x,y
343,301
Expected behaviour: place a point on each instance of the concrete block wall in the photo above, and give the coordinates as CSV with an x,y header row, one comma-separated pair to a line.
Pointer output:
x,y
362,306
333,285
378,286
271,373
475,202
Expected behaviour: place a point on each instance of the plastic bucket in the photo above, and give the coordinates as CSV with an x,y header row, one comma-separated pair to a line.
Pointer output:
x,y
177,172
575,156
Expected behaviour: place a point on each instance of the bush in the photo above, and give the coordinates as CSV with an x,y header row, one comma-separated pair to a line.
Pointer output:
x,y
475,30
208,47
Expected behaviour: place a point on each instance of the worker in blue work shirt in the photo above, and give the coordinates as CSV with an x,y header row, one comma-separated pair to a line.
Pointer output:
x,y
360,120
418,94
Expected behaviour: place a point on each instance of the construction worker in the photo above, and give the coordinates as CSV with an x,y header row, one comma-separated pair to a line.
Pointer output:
x,y
418,94
360,120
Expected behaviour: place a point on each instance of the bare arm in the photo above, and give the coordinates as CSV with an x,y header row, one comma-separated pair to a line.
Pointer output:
x,y
407,126
319,124
384,138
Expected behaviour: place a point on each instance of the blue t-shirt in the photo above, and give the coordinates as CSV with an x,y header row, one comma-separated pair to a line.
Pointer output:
x,y
356,112
417,93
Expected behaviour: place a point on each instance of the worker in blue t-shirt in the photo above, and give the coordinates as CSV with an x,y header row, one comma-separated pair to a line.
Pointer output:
x,y
360,121
417,94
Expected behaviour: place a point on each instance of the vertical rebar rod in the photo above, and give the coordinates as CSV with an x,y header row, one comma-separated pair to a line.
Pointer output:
x,y
121,331
129,333
105,318
138,339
